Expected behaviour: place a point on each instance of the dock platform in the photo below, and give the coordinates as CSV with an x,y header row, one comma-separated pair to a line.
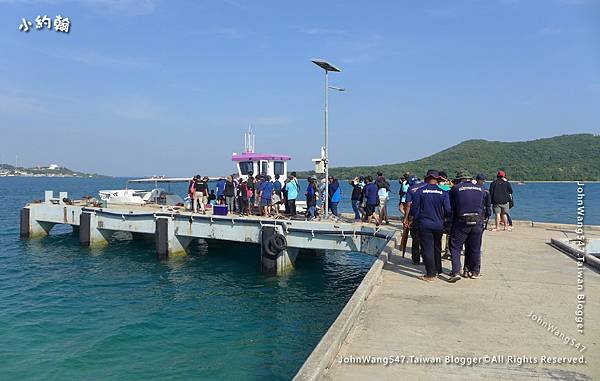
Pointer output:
x,y
524,306
174,228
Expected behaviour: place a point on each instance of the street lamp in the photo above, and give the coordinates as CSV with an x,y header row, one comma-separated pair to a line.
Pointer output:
x,y
327,67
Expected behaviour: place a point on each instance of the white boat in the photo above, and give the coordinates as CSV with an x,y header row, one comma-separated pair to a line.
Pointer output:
x,y
248,163
159,196
252,163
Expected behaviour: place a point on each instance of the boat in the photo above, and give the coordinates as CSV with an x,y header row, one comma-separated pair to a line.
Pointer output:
x,y
252,163
156,195
247,163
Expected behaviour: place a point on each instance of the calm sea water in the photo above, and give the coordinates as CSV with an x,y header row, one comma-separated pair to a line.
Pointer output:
x,y
118,313
71,313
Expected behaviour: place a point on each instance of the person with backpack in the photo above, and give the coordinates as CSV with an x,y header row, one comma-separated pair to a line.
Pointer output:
x,y
200,188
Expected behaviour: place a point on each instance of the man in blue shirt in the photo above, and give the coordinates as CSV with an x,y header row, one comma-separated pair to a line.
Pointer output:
x,y
431,208
371,198
411,223
468,207
266,191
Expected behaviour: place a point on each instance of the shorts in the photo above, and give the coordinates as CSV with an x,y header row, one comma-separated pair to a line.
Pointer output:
x,y
265,202
501,209
369,209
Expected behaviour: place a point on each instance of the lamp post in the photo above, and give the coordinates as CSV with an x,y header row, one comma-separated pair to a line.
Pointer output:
x,y
327,67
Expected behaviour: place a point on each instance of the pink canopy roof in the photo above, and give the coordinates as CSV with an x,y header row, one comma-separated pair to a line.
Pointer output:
x,y
251,156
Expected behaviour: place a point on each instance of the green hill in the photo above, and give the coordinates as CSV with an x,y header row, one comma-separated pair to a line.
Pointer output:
x,y
566,157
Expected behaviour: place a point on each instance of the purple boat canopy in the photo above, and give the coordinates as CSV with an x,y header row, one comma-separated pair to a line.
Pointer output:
x,y
251,156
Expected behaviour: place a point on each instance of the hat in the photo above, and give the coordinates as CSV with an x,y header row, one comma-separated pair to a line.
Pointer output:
x,y
443,175
501,174
463,175
480,176
432,173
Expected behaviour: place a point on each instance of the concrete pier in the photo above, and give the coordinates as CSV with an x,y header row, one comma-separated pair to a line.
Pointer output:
x,y
173,229
523,311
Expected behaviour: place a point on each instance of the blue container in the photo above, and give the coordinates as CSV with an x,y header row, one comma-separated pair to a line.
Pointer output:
x,y
220,210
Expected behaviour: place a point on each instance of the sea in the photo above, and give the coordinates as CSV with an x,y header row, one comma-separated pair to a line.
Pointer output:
x,y
117,313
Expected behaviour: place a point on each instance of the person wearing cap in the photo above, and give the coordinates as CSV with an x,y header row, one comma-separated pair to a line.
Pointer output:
x,y
409,221
501,194
431,208
467,200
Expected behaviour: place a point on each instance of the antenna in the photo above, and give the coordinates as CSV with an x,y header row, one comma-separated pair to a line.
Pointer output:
x,y
249,140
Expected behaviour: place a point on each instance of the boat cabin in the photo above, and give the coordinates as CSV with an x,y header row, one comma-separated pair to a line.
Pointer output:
x,y
250,162
259,163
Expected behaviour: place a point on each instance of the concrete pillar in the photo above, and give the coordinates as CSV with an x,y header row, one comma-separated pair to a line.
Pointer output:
x,y
30,227
89,233
279,263
168,242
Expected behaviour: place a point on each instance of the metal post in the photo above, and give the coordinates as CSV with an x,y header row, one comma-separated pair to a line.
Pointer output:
x,y
326,158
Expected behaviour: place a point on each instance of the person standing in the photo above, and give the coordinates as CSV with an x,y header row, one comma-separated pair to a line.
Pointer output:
x,y
334,194
251,192
200,194
431,206
371,200
293,189
220,191
243,197
501,194
311,197
410,223
266,194
229,193
404,185
468,206
383,189
356,197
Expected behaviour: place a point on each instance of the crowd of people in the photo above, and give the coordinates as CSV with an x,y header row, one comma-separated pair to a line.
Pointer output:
x,y
459,208
261,195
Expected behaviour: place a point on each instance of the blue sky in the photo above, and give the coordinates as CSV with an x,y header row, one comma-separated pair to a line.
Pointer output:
x,y
143,87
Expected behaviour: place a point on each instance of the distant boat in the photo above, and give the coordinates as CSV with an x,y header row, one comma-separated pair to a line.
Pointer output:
x,y
520,183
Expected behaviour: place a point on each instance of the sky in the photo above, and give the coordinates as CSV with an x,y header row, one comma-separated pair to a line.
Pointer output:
x,y
150,87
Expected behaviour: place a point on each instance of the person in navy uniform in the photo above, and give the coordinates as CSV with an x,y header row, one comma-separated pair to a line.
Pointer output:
x,y
431,208
468,202
409,221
